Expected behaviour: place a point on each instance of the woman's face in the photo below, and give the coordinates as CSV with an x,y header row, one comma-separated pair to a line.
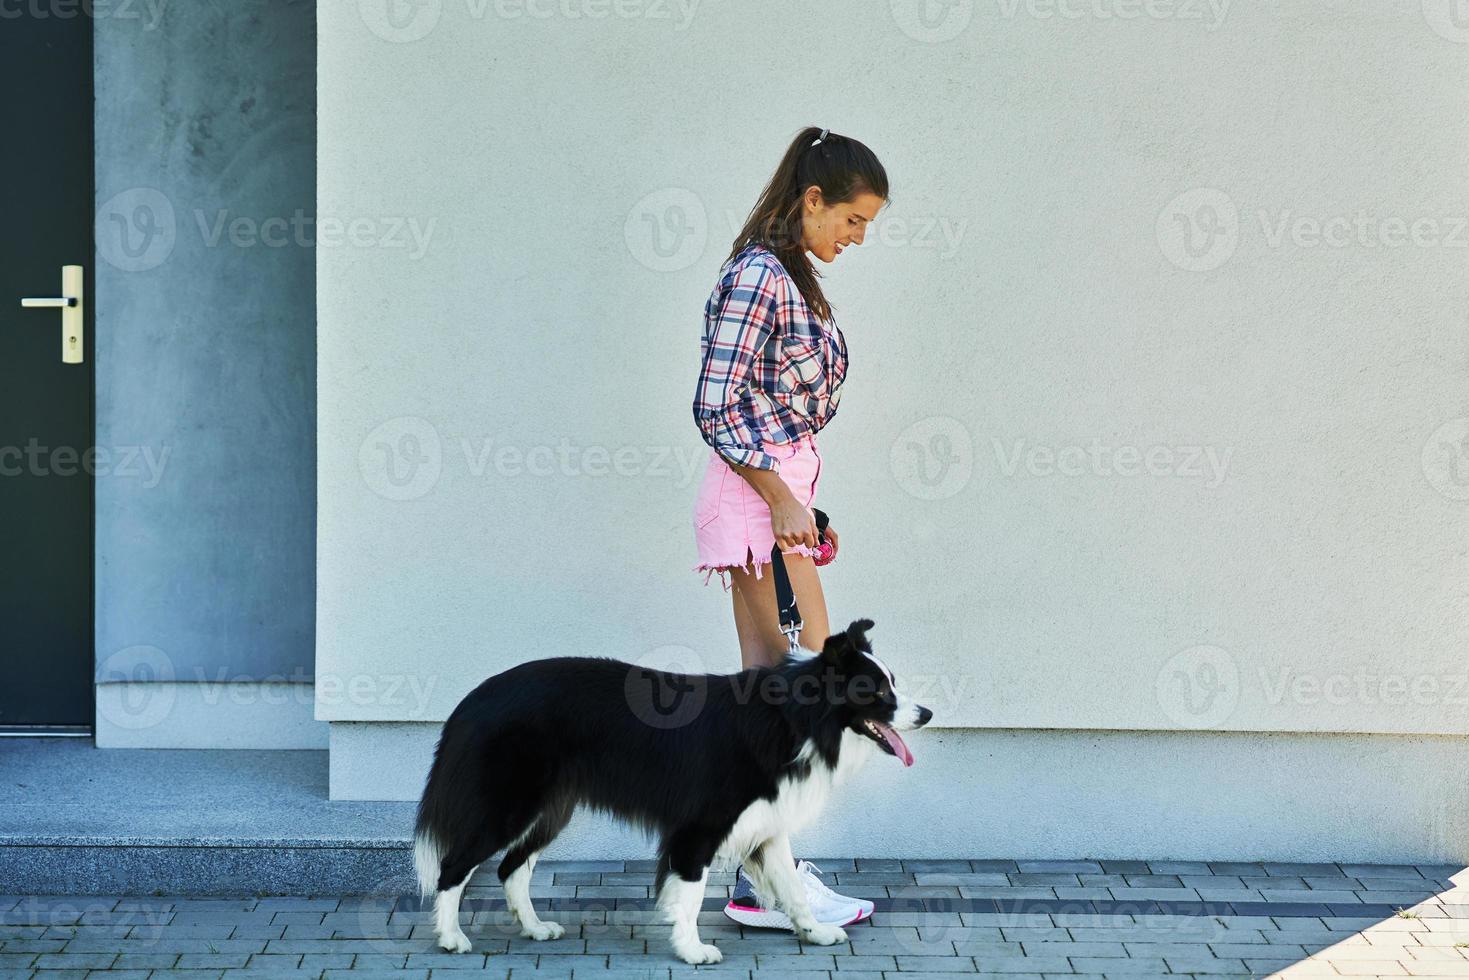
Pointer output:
x,y
827,230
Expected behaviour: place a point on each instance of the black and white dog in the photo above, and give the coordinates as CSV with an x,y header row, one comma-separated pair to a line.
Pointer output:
x,y
720,767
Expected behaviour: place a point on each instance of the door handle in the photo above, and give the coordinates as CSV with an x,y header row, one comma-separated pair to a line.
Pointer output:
x,y
70,305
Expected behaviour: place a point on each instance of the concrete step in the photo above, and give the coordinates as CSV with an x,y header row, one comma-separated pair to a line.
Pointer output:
x,y
79,820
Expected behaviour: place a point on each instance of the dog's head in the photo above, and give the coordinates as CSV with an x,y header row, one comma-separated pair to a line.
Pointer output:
x,y
869,700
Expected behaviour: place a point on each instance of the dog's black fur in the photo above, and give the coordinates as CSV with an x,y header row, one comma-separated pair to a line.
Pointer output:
x,y
682,756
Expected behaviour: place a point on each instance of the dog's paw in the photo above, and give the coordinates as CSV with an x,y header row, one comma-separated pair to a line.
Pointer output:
x,y
822,934
699,953
542,931
456,943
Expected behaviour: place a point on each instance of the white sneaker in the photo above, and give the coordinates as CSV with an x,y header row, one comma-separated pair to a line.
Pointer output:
x,y
828,908
819,895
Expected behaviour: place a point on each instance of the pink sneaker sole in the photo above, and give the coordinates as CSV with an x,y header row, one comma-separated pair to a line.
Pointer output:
x,y
749,915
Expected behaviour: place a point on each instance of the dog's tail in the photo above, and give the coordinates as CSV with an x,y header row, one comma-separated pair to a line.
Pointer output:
x,y
431,835
428,853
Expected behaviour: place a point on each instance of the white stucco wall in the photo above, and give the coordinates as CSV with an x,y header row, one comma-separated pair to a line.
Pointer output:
x,y
1157,386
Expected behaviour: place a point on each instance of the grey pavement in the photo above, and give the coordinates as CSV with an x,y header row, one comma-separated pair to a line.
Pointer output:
x,y
935,918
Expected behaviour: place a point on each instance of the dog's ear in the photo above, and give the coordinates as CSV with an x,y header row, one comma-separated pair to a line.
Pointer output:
x,y
852,640
857,634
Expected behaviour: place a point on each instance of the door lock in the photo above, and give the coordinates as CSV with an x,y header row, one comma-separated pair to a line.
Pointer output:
x,y
70,305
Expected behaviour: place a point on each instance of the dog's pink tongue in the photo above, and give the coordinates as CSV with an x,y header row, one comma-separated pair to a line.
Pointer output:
x,y
896,743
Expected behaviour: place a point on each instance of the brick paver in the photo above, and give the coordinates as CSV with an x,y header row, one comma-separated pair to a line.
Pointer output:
x,y
936,919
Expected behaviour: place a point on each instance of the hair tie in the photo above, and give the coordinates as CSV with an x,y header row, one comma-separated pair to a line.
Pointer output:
x,y
821,137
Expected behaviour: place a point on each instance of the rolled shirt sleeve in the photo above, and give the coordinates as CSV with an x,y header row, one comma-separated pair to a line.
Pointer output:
x,y
745,322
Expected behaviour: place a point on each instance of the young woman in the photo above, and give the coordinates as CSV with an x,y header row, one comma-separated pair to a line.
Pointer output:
x,y
771,375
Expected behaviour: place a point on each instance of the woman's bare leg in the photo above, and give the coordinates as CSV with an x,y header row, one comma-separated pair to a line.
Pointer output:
x,y
762,642
757,620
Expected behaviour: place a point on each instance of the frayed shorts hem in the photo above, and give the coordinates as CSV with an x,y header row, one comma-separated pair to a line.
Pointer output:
x,y
756,564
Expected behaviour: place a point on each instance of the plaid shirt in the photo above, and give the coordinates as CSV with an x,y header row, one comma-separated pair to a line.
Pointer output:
x,y
770,372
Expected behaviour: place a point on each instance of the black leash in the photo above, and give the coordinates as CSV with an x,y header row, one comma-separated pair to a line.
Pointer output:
x,y
785,596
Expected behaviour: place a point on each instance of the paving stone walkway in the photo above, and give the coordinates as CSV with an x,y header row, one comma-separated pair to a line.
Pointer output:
x,y
935,919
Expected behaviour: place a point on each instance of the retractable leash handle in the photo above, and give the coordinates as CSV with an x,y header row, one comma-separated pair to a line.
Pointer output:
x,y
823,547
785,596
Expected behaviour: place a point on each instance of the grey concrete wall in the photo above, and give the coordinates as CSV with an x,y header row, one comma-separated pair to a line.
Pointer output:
x,y
205,144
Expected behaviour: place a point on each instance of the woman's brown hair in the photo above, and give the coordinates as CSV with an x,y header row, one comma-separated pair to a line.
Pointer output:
x,y
842,168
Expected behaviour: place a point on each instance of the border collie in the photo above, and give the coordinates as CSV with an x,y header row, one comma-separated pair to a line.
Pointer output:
x,y
720,767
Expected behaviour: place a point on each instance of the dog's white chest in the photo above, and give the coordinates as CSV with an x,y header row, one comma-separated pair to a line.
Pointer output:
x,y
798,802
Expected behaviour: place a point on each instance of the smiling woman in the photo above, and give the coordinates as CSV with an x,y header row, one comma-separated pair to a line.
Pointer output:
x,y
772,367
773,361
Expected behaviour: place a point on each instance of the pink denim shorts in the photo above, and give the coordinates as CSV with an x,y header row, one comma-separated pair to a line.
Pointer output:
x,y
732,523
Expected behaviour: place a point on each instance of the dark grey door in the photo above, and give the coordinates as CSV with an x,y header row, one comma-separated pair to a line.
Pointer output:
x,y
46,662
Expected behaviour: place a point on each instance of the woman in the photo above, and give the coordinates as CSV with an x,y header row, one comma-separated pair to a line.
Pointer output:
x,y
772,368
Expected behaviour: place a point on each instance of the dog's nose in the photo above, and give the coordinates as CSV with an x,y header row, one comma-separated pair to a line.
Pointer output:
x,y
923,716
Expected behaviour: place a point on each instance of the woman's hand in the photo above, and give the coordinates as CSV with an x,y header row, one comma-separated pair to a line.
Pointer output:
x,y
831,535
793,523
